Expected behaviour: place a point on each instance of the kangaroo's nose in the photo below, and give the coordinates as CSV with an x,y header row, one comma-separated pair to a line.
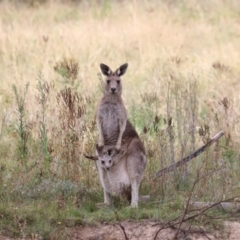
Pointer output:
x,y
113,89
107,168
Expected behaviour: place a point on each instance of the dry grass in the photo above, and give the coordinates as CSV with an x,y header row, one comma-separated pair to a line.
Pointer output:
x,y
180,89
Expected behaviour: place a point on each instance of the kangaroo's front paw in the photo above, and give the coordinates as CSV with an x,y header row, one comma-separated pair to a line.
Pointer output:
x,y
118,147
100,143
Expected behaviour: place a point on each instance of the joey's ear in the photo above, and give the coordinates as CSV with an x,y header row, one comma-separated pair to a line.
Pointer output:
x,y
122,69
106,71
111,151
95,158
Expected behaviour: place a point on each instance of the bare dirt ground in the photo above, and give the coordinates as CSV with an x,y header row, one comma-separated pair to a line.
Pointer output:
x,y
145,230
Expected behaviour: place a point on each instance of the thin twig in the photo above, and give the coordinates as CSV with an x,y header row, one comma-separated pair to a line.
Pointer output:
x,y
181,219
187,205
3,124
123,230
171,224
204,233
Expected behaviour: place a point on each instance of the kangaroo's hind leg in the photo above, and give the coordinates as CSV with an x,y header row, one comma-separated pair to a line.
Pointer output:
x,y
107,197
134,189
136,163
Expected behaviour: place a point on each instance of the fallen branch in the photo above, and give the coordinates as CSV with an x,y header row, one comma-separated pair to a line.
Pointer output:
x,y
191,156
226,206
180,220
189,213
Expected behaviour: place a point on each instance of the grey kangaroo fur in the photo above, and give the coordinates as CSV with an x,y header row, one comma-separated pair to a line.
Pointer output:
x,y
121,172
111,116
120,154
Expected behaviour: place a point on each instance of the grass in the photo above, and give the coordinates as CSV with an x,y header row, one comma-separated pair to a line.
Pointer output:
x,y
180,89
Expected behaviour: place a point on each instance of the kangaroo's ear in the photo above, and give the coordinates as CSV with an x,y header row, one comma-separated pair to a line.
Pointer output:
x,y
106,71
122,69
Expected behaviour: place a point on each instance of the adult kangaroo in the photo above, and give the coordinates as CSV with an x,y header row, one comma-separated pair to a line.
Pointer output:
x,y
121,171
111,116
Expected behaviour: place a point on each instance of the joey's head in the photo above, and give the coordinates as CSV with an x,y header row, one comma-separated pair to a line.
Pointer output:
x,y
105,156
113,83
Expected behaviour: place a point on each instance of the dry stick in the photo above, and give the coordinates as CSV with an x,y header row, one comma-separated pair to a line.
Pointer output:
x,y
3,124
189,231
186,208
203,232
120,225
170,132
174,223
191,156
123,230
226,206
185,211
181,219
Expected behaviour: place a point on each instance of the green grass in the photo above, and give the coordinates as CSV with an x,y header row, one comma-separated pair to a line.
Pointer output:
x,y
45,215
181,88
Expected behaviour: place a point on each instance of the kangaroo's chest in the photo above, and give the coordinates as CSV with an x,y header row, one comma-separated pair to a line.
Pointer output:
x,y
110,118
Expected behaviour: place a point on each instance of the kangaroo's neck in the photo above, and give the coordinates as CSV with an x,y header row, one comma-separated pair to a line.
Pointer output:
x,y
112,98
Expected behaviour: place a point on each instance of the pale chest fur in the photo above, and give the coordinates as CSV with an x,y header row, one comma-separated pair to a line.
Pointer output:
x,y
111,115
116,178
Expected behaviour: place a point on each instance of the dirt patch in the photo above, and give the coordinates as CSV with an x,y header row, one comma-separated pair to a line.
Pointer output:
x,y
234,230
145,230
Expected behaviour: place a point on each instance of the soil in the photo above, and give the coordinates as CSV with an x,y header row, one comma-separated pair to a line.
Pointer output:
x,y
145,230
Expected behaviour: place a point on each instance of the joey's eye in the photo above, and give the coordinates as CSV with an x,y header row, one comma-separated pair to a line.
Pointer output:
x,y
118,81
108,81
110,161
109,152
103,162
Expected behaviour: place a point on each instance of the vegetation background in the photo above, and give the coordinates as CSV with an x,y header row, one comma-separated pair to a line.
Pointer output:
x,y
181,88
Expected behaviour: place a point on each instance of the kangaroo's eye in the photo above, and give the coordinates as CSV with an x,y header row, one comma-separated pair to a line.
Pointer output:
x,y
118,81
108,81
103,162
110,161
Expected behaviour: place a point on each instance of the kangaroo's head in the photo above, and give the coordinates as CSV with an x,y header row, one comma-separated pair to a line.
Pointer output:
x,y
105,156
113,83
